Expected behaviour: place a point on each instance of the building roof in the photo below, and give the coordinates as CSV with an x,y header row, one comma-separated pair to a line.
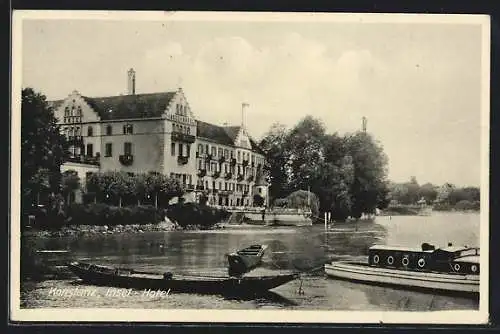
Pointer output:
x,y
153,105
130,106
223,134
213,132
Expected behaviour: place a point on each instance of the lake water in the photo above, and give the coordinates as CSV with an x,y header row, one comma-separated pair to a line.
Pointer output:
x,y
291,248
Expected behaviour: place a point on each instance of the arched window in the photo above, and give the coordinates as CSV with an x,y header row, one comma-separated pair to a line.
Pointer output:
x,y
79,111
66,111
90,131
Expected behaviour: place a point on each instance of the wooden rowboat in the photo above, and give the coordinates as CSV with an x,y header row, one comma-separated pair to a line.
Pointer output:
x,y
129,278
245,259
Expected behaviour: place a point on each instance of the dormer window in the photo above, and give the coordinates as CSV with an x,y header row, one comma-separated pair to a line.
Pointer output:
x,y
128,129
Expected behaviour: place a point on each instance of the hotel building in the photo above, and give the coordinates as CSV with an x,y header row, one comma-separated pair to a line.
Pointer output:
x,y
139,133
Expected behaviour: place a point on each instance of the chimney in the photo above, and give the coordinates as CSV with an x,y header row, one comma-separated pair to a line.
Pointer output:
x,y
244,106
131,82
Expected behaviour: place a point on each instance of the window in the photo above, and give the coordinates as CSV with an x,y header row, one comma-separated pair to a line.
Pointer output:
x,y
90,150
128,129
90,131
88,174
180,149
206,149
226,153
199,164
79,111
172,148
66,111
109,150
214,151
127,148
188,130
188,150
109,130
200,149
220,153
239,156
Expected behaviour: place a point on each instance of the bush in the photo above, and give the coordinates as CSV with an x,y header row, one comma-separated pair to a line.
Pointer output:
x,y
464,205
103,214
191,214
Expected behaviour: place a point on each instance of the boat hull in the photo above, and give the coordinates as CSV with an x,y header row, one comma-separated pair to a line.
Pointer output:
x,y
184,283
363,272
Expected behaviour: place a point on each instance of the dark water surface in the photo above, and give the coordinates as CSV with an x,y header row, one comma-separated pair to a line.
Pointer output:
x,y
291,248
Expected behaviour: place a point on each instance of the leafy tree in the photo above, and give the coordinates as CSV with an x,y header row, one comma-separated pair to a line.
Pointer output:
x,y
43,147
429,192
274,145
306,154
370,173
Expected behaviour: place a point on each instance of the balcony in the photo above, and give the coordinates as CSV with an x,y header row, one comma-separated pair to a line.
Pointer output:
x,y
216,175
200,187
75,140
208,157
228,176
85,159
214,191
250,178
233,162
245,163
182,137
126,159
222,159
225,192
202,172
190,187
182,160
245,193
240,177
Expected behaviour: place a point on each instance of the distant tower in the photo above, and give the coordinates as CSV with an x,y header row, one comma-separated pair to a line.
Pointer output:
x,y
131,82
365,121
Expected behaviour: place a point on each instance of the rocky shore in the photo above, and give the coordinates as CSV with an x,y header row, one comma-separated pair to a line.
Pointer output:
x,y
84,230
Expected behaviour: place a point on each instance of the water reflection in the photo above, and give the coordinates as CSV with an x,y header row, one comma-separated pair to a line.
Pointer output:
x,y
290,249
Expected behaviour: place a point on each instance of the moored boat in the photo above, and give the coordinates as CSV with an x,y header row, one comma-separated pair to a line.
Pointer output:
x,y
245,259
450,268
130,278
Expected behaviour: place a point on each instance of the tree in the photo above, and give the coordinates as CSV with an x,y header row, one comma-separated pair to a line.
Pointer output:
x,y
274,145
305,145
370,173
43,147
69,183
429,192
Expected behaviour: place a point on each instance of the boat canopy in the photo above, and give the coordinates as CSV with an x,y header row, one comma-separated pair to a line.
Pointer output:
x,y
399,248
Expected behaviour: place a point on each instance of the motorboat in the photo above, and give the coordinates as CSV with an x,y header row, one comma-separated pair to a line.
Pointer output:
x,y
449,268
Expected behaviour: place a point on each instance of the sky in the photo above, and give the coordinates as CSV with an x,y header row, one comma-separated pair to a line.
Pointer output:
x,y
419,85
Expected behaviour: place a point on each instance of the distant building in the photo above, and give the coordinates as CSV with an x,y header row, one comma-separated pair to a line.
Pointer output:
x,y
139,133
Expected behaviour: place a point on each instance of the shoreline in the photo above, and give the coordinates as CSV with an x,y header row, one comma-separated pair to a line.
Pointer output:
x,y
86,230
